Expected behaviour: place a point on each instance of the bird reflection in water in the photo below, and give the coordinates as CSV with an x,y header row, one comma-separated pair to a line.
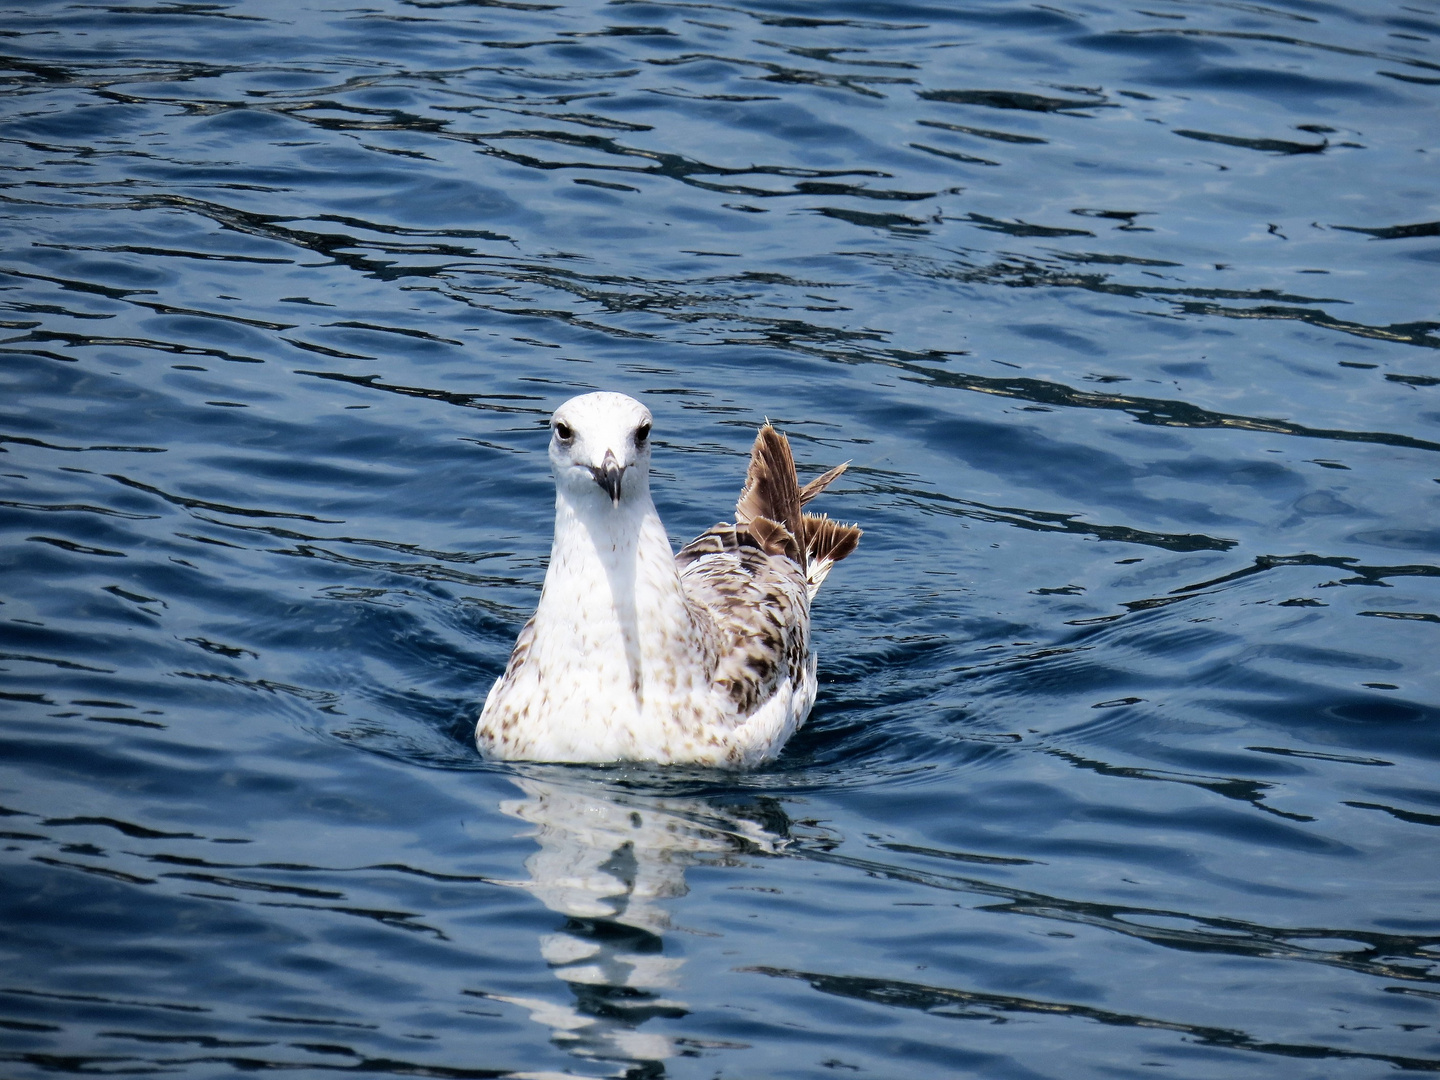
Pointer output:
x,y
612,861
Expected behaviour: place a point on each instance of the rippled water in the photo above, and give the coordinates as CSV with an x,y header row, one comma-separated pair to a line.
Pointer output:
x,y
1124,761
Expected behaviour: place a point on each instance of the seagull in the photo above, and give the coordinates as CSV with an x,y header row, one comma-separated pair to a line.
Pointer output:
x,y
640,653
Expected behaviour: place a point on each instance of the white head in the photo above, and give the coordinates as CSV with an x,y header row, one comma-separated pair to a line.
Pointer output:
x,y
600,450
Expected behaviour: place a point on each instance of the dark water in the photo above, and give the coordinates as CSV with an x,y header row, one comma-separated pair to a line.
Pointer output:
x,y
1124,762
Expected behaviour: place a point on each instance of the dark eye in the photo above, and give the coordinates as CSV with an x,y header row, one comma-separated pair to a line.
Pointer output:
x,y
641,434
565,431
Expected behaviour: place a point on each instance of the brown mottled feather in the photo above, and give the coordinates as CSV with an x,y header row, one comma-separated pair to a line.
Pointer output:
x,y
757,601
522,647
774,538
828,539
821,482
772,490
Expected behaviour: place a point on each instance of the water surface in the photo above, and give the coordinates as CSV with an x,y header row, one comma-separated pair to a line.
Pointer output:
x,y
1125,315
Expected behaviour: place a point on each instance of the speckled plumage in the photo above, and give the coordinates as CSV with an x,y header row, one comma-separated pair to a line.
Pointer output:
x,y
636,653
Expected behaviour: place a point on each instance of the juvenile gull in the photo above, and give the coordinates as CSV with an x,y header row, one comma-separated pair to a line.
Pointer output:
x,y
637,653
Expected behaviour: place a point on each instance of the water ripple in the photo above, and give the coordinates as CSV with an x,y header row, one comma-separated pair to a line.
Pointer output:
x,y
1115,723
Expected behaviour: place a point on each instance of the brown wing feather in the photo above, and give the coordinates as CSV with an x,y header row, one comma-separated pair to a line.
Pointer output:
x,y
774,538
771,502
772,490
821,482
827,539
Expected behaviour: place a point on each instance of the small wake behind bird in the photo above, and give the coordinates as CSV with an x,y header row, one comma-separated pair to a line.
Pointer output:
x,y
637,653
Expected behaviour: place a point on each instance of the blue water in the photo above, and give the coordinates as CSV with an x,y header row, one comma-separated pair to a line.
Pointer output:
x,y
1124,762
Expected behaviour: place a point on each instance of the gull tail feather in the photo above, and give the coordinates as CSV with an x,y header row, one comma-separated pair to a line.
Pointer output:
x,y
769,503
826,543
770,509
821,482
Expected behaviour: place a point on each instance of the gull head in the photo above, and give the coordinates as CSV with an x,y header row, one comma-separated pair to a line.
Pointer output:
x,y
600,448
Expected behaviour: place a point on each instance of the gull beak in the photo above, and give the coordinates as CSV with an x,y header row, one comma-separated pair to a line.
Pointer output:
x,y
608,476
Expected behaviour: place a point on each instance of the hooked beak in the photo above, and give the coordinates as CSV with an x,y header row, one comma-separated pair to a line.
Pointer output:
x,y
608,476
